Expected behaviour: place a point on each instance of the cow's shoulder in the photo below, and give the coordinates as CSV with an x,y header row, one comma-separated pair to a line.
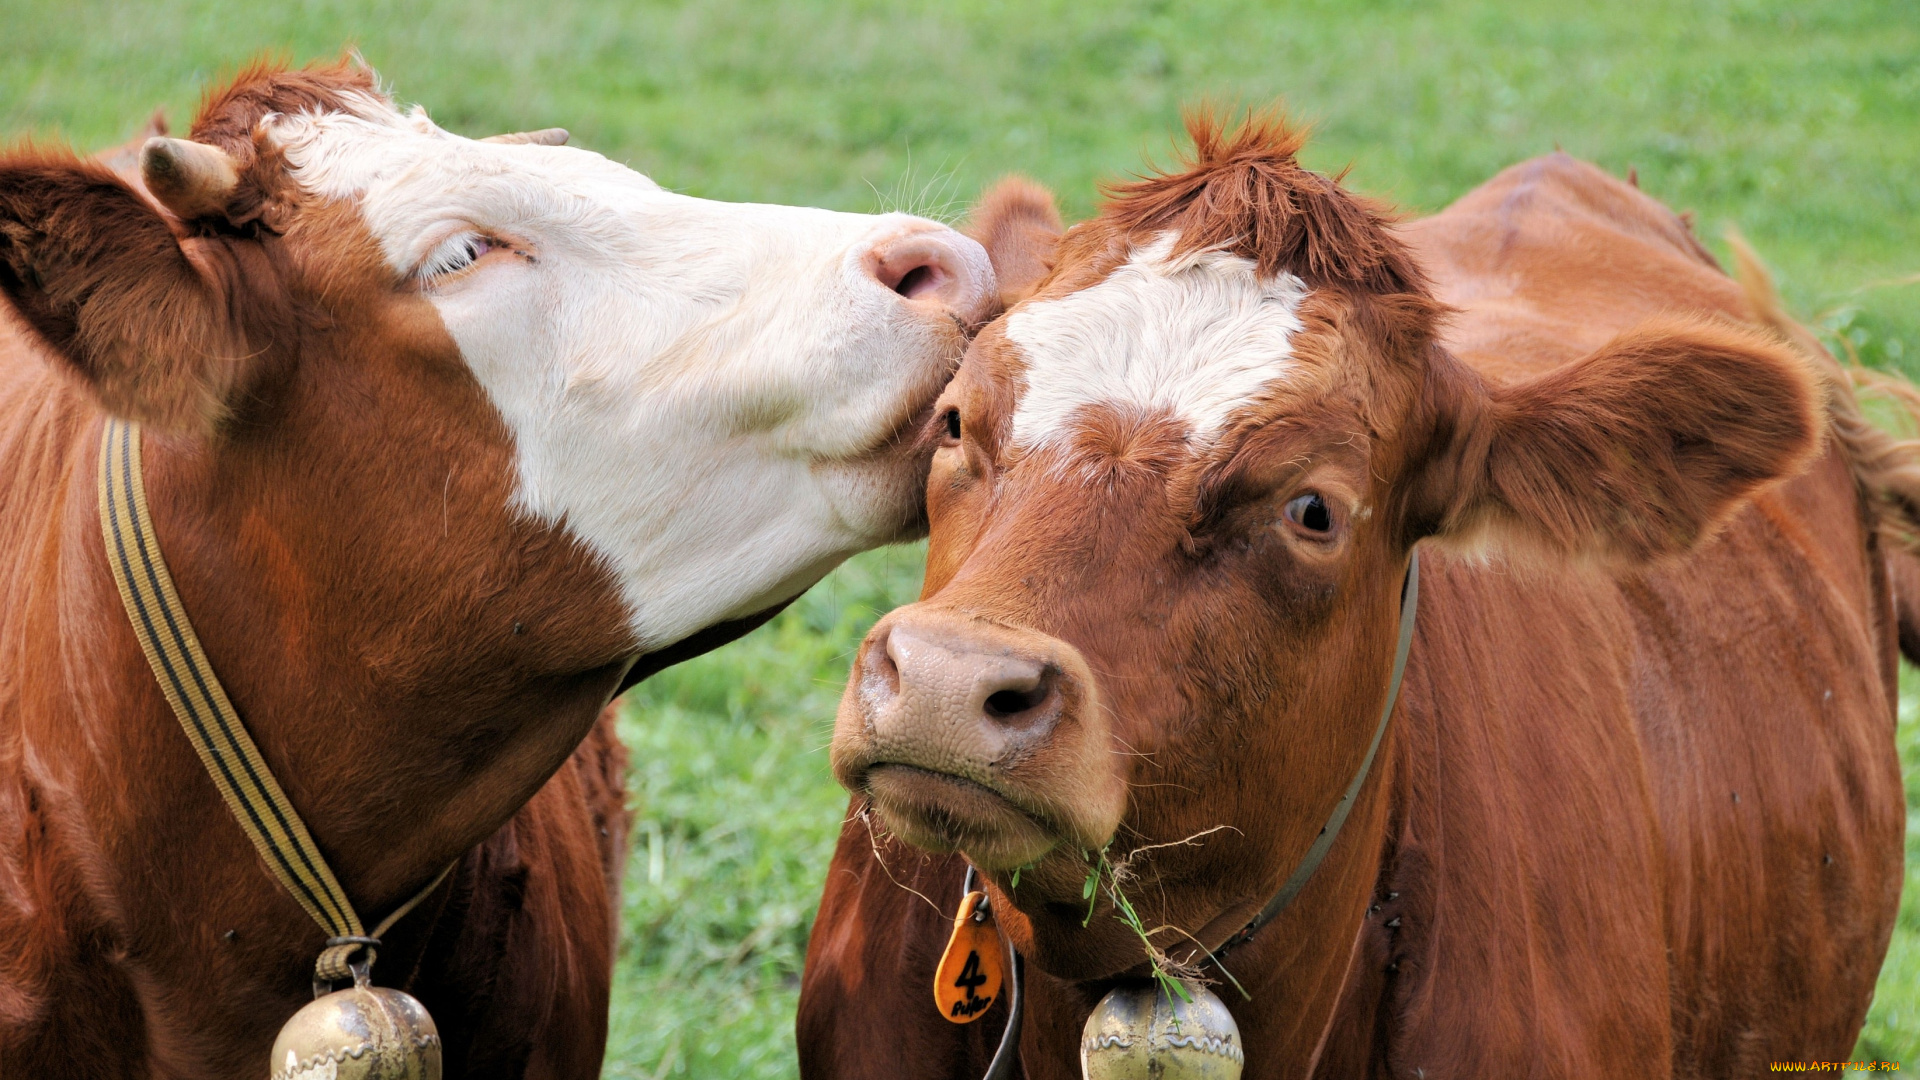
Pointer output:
x,y
1554,256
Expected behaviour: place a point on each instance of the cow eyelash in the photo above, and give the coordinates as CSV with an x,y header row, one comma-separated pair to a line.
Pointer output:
x,y
452,255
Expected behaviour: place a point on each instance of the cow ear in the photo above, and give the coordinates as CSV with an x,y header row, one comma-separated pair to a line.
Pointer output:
x,y
1018,224
98,273
1632,453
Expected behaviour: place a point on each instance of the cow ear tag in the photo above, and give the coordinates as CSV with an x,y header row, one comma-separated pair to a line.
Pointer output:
x,y
972,971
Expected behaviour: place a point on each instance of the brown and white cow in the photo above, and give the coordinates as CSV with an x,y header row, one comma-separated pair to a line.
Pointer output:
x,y
446,442
1639,811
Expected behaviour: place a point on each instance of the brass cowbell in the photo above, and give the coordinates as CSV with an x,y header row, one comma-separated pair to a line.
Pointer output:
x,y
1141,1032
363,1033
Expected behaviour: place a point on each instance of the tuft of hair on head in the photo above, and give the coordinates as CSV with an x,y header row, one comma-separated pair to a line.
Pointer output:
x,y
228,124
230,115
1243,190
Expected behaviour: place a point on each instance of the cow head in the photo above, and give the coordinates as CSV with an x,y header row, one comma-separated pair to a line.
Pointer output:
x,y
713,401
1175,495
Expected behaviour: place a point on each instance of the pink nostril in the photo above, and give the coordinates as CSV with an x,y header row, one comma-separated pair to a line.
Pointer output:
x,y
959,678
912,267
938,266
918,281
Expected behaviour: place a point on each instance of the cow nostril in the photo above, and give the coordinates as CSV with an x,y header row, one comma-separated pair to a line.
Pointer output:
x,y
933,268
1002,704
918,282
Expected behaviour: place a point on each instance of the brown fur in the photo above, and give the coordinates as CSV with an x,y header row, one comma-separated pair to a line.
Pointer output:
x,y
229,118
1640,802
1242,191
414,716
1672,425
167,345
1887,466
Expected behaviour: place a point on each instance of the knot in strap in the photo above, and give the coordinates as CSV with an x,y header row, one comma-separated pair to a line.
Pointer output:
x,y
337,962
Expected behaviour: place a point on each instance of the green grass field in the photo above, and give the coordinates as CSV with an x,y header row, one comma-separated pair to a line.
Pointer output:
x,y
1799,122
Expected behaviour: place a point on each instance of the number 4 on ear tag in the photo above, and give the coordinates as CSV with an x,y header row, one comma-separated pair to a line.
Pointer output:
x,y
971,971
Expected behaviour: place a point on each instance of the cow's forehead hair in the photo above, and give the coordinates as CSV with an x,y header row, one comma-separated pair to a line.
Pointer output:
x,y
1199,335
410,177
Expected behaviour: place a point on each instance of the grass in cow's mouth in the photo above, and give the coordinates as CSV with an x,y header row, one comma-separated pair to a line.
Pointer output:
x,y
1106,876
1172,975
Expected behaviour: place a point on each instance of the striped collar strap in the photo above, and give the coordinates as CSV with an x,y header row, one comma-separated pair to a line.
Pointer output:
x,y
228,752
1323,843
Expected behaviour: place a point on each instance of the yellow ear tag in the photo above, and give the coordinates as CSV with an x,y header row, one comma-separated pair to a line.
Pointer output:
x,y
972,969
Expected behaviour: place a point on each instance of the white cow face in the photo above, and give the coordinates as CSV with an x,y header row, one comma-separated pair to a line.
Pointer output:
x,y
717,398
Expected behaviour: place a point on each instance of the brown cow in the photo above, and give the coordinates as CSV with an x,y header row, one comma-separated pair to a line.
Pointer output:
x,y
1639,811
446,442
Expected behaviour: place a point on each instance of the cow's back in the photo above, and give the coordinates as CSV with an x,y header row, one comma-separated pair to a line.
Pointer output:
x,y
1687,771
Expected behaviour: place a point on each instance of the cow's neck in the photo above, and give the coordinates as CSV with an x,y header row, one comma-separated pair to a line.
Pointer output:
x,y
1298,969
413,659
1318,958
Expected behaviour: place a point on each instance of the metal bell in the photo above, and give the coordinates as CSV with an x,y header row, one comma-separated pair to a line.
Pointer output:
x,y
364,1033
1140,1032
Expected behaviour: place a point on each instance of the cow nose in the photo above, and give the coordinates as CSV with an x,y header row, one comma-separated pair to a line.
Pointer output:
x,y
981,686
972,734
934,267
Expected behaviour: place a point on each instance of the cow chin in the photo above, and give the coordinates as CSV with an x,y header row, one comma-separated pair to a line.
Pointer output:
x,y
880,490
940,812
882,495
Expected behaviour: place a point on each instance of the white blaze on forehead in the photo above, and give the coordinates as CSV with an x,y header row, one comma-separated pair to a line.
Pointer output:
x,y
1198,335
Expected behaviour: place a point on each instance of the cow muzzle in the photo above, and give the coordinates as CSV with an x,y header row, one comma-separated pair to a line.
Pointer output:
x,y
934,268
973,736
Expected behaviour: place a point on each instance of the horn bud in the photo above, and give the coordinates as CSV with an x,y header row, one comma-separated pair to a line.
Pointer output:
x,y
543,137
191,179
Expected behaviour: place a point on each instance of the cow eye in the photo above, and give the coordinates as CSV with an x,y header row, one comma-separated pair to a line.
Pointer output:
x,y
953,424
1310,513
453,255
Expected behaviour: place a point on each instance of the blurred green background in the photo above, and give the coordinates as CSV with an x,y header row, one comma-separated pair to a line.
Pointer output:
x,y
1799,122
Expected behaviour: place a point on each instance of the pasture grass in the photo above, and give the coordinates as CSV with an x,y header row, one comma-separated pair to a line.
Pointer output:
x,y
735,816
1798,122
